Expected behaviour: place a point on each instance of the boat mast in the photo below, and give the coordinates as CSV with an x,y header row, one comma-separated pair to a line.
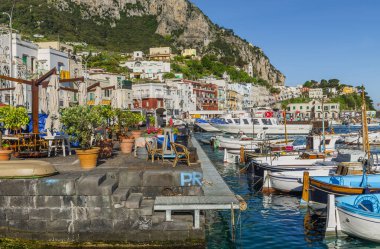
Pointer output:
x,y
286,131
366,146
323,127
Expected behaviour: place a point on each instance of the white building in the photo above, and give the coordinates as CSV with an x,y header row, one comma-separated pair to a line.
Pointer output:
x,y
316,93
152,70
261,96
245,99
138,55
288,92
175,96
114,88
313,110
180,98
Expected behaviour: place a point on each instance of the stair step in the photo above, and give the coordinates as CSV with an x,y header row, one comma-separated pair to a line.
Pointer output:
x,y
120,195
89,184
146,208
109,186
134,200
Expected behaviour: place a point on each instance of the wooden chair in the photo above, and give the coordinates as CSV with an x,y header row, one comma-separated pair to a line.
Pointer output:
x,y
153,151
181,154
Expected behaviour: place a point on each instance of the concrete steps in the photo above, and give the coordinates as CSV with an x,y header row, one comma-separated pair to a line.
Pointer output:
x,y
134,201
120,195
97,184
146,208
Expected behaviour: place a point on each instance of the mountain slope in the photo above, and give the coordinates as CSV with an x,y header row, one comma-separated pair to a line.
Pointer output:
x,y
125,25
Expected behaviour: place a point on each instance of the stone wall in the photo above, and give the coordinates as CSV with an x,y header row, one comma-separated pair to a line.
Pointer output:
x,y
96,206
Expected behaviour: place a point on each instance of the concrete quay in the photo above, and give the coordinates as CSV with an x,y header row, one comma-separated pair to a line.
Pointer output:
x,y
114,203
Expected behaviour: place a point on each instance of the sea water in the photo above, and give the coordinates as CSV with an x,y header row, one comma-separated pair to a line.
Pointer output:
x,y
271,221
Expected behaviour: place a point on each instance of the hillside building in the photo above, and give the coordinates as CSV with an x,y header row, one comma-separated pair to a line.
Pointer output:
x,y
151,70
160,53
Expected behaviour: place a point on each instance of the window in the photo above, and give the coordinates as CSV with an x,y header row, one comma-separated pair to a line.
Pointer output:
x,y
266,121
301,107
255,121
107,93
294,107
307,107
332,107
319,107
245,121
230,121
24,59
237,121
92,96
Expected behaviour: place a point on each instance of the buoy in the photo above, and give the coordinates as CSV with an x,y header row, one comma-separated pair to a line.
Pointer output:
x,y
242,203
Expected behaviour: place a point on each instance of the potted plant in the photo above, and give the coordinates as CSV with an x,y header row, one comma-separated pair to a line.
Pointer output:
x,y
125,119
106,143
81,123
136,119
13,118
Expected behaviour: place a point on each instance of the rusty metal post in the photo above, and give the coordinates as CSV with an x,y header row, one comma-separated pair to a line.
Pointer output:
x,y
35,104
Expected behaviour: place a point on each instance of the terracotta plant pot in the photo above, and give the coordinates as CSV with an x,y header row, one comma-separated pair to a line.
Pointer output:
x,y
5,155
88,158
126,145
136,133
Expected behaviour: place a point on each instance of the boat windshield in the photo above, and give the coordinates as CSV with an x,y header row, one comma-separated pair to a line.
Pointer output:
x,y
266,121
245,121
255,121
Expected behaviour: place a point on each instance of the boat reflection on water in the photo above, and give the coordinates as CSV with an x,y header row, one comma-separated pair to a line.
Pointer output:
x,y
281,202
314,225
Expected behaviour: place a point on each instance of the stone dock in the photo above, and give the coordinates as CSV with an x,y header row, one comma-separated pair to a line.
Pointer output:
x,y
123,200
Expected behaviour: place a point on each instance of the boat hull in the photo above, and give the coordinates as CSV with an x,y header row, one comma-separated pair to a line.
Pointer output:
x,y
358,225
269,130
292,181
319,191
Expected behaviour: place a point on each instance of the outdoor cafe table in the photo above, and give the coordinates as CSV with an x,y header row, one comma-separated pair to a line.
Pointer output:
x,y
58,139
13,141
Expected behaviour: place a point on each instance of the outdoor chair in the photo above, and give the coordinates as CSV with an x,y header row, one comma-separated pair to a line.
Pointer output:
x,y
181,154
153,150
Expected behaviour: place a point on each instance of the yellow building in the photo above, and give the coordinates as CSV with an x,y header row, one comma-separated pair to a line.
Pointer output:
x,y
160,53
348,90
189,52
232,100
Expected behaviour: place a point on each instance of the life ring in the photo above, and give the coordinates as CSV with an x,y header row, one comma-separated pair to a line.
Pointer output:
x,y
268,114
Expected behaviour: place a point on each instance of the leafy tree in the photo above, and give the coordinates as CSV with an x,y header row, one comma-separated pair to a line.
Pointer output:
x,y
169,76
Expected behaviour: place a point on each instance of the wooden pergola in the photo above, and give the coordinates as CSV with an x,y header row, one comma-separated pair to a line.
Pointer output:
x,y
41,81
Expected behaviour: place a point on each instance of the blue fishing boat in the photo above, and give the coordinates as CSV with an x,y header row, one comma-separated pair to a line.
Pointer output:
x,y
356,215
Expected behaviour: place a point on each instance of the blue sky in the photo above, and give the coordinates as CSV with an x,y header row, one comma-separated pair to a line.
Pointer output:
x,y
308,39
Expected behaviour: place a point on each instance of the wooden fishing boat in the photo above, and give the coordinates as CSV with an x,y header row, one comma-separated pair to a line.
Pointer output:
x,y
317,188
356,215
292,181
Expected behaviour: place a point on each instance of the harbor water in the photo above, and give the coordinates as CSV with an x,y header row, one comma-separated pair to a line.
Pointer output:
x,y
271,221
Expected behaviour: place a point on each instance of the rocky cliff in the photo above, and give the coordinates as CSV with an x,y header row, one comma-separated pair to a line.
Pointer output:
x,y
175,22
